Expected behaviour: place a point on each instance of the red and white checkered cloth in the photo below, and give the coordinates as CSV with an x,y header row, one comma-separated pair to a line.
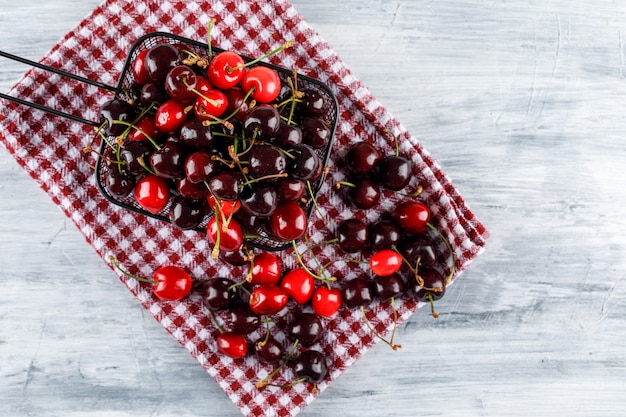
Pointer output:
x,y
50,149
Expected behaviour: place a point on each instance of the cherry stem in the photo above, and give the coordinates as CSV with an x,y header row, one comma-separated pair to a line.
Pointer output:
x,y
453,260
214,320
267,332
303,265
286,45
208,37
432,306
143,132
378,335
215,253
314,200
128,274
142,162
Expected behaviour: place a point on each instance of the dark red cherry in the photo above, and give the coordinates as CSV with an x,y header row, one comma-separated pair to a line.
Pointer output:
x,y
191,190
264,120
362,157
412,216
200,166
287,135
310,365
186,214
266,160
259,201
314,103
136,155
307,328
168,162
195,134
304,164
290,189
160,59
384,234
434,285
315,132
152,93
225,185
114,110
352,235
237,105
269,350
138,68
219,294
388,286
420,247
365,194
180,83
395,172
241,319
119,184
357,292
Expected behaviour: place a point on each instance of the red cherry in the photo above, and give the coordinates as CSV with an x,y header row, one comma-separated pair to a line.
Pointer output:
x,y
210,104
225,70
171,283
326,302
202,84
266,269
170,116
412,216
145,126
264,81
385,262
299,285
226,207
289,221
268,299
138,68
233,345
152,193
230,236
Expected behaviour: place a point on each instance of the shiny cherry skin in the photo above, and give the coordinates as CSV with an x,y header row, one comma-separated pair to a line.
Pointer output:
x,y
269,351
263,121
134,154
237,104
326,302
200,166
219,294
388,286
268,299
362,158
384,234
160,59
241,319
305,164
266,269
315,132
289,221
225,207
225,185
138,68
230,234
168,161
310,365
266,160
299,285
233,345
186,214
434,285
170,116
226,70
385,262
365,194
193,133
395,172
412,216
306,328
180,83
152,193
119,184
172,283
357,292
210,105
191,190
352,235
290,189
419,251
113,110
260,200
144,129
264,82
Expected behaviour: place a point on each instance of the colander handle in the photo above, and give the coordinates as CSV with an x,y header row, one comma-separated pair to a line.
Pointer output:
x,y
62,73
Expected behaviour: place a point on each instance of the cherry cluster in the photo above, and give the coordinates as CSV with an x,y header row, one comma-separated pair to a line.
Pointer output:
x,y
199,137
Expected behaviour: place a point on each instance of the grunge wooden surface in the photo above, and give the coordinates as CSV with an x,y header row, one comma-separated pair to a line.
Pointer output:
x,y
521,102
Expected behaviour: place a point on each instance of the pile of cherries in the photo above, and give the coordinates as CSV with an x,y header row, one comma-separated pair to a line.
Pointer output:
x,y
217,143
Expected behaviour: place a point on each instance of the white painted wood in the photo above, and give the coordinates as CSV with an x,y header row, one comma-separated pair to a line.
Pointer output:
x,y
521,102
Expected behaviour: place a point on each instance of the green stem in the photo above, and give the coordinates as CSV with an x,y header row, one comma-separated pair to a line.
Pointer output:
x,y
128,274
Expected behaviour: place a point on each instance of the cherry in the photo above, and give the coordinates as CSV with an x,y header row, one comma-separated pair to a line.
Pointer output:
x,y
195,134
114,110
233,345
326,301
352,235
412,216
310,365
138,68
395,172
259,201
314,103
210,105
269,350
186,214
225,70
306,328
364,192
225,207
433,287
290,189
268,299
263,120
418,250
266,161
180,83
385,262
241,319
135,155
230,236
287,135
152,94
200,166
384,234
219,294
266,269
289,221
357,292
172,283
225,185
299,285
170,116
119,183
315,132
388,286
305,164
362,157
152,193
191,190
145,129
168,161
160,59
264,83
238,106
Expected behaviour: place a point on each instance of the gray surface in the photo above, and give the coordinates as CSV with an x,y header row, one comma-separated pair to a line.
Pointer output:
x,y
521,102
